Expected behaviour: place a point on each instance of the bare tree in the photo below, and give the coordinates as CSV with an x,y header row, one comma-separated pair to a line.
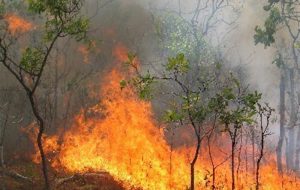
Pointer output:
x,y
264,112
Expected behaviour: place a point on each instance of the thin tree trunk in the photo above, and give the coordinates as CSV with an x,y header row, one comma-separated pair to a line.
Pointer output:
x,y
282,118
195,159
292,123
213,187
55,94
239,159
2,138
232,166
258,166
297,155
253,150
291,149
233,144
2,182
39,139
261,153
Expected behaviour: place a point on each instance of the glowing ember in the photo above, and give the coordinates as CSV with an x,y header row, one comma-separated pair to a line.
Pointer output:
x,y
17,24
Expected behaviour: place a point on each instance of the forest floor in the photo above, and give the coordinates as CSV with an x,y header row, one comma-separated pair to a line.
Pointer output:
x,y
59,181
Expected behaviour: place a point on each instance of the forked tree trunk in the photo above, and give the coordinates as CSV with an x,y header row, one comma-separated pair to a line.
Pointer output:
x,y
263,134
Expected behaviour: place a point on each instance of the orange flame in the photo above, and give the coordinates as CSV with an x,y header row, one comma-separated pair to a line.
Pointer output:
x,y
121,53
84,50
85,53
17,24
50,142
122,138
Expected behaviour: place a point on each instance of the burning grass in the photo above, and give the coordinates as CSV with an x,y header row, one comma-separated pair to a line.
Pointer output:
x,y
126,142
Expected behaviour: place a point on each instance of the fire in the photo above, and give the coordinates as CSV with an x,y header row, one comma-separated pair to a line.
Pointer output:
x,y
125,143
51,142
121,54
17,24
121,137
85,51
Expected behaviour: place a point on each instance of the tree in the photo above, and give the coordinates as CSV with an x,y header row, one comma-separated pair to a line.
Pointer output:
x,y
284,18
264,113
7,120
60,19
196,100
191,30
189,100
236,108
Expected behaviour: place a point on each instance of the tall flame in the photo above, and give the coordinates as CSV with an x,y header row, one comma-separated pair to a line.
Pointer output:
x,y
122,138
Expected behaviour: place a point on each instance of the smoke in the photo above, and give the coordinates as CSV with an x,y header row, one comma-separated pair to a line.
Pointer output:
x,y
234,40
131,23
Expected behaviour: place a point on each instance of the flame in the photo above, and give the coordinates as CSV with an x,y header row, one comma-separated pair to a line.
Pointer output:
x,y
121,53
120,136
125,143
84,50
17,25
85,53
50,142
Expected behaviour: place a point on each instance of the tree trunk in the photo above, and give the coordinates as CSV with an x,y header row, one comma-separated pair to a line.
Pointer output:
x,y
261,152
282,118
2,182
257,168
292,123
232,166
291,149
297,154
253,150
233,144
39,139
195,160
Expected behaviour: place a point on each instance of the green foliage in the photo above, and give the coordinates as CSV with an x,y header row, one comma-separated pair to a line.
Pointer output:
x,y
178,63
297,45
131,58
36,6
266,34
250,100
32,59
278,61
2,8
143,85
174,34
178,36
270,5
172,116
234,108
123,84
77,28
62,18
